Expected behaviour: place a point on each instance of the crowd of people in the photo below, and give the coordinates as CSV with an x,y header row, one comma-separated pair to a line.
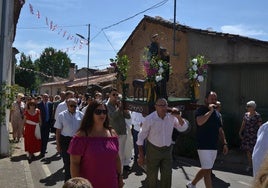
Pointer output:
x,y
97,133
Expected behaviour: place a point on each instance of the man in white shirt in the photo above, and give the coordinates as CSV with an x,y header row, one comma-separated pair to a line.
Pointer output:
x,y
137,119
63,105
67,123
157,128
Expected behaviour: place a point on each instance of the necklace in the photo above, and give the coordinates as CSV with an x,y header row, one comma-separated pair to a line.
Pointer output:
x,y
32,112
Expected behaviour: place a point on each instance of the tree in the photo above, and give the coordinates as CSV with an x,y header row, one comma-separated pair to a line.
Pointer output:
x,y
53,63
24,73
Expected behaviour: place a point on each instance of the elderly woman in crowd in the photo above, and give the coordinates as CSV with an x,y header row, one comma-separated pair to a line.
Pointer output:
x,y
16,117
248,131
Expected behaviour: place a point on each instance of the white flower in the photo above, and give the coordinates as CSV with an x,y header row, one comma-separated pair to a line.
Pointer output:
x,y
194,67
160,63
161,70
200,78
158,78
195,75
194,61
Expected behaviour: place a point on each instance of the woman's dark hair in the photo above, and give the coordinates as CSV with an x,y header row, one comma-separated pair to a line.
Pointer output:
x,y
31,102
88,120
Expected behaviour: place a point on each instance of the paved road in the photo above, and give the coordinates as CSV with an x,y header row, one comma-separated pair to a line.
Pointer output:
x,y
48,172
184,171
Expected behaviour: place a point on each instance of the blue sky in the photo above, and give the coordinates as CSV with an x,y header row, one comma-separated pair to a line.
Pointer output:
x,y
243,17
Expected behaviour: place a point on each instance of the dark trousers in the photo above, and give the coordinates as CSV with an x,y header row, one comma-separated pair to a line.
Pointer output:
x,y
64,144
158,158
45,127
135,146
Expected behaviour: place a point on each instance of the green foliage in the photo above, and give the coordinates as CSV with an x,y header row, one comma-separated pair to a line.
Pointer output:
x,y
121,65
7,96
53,63
24,75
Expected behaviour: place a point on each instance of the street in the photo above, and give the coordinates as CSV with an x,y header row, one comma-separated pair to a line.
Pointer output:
x,y
48,172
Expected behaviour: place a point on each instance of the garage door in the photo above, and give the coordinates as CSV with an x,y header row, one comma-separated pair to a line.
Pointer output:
x,y
235,85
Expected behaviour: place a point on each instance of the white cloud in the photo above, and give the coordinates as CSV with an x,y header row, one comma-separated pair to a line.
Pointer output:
x,y
242,30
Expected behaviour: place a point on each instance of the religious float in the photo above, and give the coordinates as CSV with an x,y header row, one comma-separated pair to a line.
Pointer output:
x,y
153,86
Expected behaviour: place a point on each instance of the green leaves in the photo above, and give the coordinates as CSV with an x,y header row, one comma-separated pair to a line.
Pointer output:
x,y
121,65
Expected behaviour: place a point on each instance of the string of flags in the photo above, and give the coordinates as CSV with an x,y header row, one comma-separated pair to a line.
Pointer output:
x,y
78,42
36,72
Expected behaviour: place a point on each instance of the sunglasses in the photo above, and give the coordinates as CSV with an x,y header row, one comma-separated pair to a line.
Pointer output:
x,y
99,112
72,106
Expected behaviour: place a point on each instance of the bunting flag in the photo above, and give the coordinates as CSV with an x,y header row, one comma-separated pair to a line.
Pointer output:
x,y
54,27
59,31
36,72
64,33
78,42
51,25
38,14
31,9
46,21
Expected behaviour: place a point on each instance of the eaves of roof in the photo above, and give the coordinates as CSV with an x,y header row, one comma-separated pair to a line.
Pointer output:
x,y
97,79
184,28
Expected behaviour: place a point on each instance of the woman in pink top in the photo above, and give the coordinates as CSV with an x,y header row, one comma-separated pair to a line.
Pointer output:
x,y
94,149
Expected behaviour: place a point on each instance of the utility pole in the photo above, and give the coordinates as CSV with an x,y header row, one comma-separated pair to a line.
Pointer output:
x,y
88,43
174,29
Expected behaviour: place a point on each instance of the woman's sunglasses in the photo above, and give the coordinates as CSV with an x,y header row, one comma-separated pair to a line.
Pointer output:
x,y
99,112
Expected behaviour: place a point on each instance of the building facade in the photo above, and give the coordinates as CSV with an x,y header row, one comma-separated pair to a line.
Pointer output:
x,y
237,69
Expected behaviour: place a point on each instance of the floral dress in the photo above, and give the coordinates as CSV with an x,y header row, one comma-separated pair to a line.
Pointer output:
x,y
250,131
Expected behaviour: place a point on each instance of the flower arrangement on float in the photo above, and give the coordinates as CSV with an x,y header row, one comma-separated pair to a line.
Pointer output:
x,y
198,69
154,68
197,72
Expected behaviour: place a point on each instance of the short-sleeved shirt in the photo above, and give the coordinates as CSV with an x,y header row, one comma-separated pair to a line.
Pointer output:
x,y
98,159
207,135
68,123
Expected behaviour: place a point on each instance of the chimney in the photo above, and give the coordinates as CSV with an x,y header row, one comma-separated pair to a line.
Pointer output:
x,y
72,72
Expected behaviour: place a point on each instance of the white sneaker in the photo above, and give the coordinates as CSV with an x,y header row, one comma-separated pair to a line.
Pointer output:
x,y
190,185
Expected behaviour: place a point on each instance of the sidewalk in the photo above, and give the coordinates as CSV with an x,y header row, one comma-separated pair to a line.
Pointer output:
x,y
15,171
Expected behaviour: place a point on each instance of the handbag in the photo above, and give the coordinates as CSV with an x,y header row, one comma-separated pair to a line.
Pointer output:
x,y
37,132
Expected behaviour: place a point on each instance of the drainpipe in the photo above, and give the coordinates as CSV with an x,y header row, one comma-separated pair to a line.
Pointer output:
x,y
2,44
